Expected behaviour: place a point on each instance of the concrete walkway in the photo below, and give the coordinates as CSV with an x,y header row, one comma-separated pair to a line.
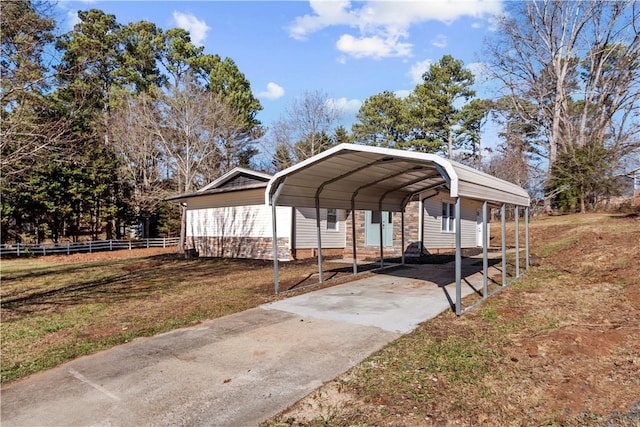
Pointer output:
x,y
241,369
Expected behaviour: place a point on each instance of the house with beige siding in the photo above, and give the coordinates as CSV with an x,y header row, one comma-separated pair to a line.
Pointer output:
x,y
229,218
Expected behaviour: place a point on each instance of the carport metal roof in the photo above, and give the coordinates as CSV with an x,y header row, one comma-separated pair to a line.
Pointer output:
x,y
361,177
357,177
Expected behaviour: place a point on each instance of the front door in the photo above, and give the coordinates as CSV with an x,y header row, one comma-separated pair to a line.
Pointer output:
x,y
372,228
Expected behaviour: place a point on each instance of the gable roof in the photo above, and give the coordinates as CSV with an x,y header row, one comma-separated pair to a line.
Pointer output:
x,y
373,178
237,179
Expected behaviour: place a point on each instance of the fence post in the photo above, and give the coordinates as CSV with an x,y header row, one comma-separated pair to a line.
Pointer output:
x,y
129,244
164,242
68,248
147,243
90,250
110,244
18,249
44,249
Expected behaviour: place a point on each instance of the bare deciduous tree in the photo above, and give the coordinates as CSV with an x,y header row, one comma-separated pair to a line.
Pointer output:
x,y
578,64
304,130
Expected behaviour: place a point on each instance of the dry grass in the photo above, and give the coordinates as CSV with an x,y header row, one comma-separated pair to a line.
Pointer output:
x,y
558,347
57,308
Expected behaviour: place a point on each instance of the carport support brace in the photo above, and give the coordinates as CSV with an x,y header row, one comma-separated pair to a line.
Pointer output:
x,y
458,259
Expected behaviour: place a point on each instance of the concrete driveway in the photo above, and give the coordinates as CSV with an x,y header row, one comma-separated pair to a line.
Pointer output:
x,y
241,369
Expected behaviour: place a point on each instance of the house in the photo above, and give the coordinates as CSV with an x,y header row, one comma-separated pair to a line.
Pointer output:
x,y
229,218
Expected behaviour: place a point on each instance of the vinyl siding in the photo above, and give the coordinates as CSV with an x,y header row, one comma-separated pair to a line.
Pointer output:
x,y
434,237
233,198
306,232
237,221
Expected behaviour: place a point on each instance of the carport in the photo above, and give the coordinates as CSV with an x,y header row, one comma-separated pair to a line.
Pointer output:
x,y
357,177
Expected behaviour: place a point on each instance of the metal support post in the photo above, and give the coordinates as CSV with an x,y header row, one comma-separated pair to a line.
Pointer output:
x,y
503,212
485,251
458,258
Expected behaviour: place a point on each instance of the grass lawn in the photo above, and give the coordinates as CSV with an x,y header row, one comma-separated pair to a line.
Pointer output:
x,y
56,308
559,346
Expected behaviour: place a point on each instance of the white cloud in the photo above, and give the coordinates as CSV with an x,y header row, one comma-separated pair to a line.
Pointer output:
x,y
440,41
197,28
344,105
274,91
418,69
372,47
326,14
382,26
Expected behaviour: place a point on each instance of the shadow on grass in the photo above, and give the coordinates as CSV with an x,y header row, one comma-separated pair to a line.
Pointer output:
x,y
126,280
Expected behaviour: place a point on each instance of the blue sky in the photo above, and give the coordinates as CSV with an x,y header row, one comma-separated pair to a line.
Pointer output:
x,y
347,50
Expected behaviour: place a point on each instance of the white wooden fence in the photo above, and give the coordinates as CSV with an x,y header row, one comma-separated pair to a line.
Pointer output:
x,y
67,248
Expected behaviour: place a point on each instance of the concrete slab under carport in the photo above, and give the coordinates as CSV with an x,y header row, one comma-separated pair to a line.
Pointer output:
x,y
237,370
397,299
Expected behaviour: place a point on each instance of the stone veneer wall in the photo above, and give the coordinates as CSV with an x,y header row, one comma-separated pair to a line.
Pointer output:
x,y
239,247
411,224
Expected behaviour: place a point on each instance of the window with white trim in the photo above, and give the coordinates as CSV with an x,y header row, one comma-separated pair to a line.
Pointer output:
x,y
448,218
332,219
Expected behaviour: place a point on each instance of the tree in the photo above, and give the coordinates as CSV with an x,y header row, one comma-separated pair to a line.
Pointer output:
x,y
434,105
578,63
468,135
142,159
304,131
238,144
582,177
27,127
383,121
188,123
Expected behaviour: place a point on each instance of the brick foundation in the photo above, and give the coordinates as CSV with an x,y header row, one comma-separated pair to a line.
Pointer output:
x,y
253,248
238,247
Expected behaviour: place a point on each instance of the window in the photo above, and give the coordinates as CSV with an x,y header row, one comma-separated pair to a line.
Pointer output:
x,y
448,218
332,219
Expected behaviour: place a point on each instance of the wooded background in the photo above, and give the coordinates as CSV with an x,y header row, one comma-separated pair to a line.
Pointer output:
x,y
100,124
